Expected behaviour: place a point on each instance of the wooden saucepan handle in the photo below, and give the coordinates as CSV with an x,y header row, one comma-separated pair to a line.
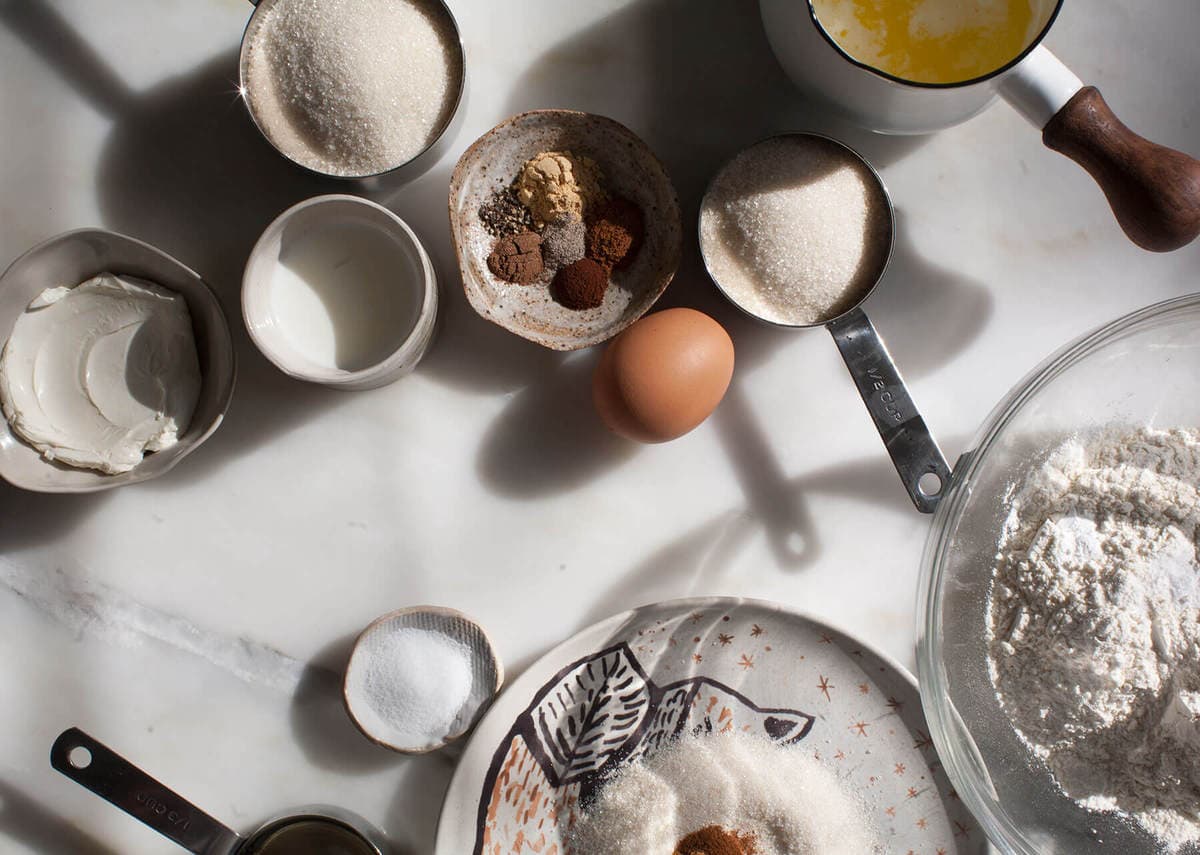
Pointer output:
x,y
1153,190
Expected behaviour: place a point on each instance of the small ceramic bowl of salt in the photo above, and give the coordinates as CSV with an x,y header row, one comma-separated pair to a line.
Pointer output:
x,y
419,678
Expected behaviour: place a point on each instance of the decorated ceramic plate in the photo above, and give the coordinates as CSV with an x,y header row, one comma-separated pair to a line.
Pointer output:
x,y
623,687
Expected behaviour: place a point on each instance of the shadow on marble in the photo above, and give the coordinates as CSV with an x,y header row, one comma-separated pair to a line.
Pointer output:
x,y
931,313
39,829
35,519
320,724
412,819
783,511
473,354
694,564
549,439
698,563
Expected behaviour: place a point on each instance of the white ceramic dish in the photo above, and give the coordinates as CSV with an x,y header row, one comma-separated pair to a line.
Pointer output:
x,y
486,669
764,667
630,169
74,257
301,223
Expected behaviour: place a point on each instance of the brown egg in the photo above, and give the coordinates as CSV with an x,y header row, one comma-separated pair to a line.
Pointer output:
x,y
664,375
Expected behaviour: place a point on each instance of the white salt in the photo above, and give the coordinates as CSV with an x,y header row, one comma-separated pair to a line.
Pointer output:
x,y
795,230
407,686
352,87
779,794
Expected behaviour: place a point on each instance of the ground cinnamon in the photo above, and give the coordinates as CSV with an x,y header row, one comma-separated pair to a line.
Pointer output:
x,y
714,840
615,232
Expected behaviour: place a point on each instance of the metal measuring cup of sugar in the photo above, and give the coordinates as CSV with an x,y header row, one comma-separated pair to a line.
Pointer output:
x,y
309,830
407,170
912,448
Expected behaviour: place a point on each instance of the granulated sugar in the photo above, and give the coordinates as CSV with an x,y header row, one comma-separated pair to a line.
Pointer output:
x,y
352,87
795,229
778,795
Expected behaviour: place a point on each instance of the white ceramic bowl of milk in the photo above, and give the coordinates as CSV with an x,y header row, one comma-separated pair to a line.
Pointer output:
x,y
339,290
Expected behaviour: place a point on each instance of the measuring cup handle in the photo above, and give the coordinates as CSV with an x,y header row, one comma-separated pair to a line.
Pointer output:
x,y
913,450
1153,190
119,782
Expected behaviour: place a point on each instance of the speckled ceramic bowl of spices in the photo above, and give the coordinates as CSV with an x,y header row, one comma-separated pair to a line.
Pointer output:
x,y
630,170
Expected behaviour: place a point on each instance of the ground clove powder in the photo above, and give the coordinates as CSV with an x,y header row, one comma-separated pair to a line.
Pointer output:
x,y
615,233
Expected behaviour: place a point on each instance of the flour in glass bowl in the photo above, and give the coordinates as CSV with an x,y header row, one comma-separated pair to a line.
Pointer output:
x,y
1094,636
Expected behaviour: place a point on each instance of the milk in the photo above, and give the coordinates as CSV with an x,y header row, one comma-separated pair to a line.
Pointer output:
x,y
933,41
345,296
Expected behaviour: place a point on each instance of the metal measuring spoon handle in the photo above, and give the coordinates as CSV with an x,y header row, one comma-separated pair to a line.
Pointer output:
x,y
913,449
119,782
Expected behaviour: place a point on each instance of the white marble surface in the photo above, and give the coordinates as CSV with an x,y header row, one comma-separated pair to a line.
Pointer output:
x,y
197,623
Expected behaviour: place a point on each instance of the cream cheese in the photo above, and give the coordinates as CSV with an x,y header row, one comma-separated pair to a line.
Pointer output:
x,y
97,375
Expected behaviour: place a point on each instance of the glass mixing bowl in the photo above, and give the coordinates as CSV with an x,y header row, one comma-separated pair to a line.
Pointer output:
x,y
1140,370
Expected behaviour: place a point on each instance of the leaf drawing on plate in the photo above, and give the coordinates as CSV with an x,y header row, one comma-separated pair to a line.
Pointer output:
x,y
591,714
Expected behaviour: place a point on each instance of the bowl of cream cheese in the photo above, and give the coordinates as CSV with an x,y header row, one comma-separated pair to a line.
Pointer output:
x,y
117,363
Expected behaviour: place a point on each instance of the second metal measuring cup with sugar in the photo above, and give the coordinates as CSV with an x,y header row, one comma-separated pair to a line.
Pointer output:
x,y
913,450
312,830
